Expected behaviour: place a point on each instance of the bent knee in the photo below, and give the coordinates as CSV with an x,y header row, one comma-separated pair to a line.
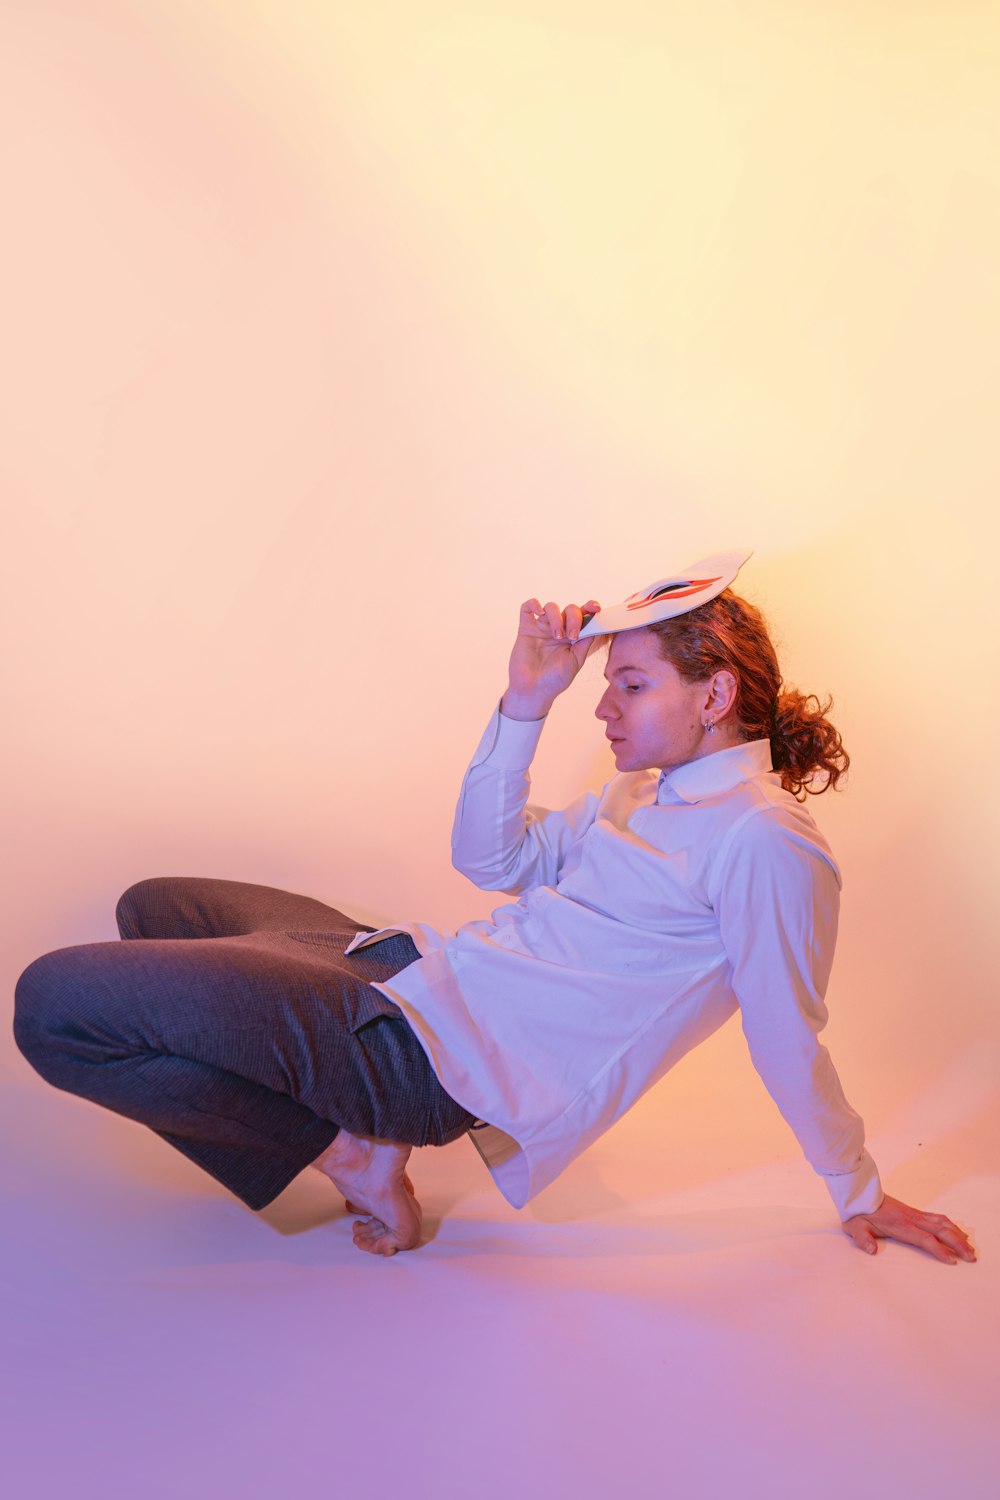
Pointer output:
x,y
65,1016
140,908
44,997
64,1003
132,905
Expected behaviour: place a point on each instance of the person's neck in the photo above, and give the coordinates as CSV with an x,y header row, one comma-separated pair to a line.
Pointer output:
x,y
723,737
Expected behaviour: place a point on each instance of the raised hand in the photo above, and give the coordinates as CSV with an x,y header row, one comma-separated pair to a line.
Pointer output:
x,y
546,657
894,1220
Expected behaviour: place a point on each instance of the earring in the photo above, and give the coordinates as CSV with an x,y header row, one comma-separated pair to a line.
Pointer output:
x,y
709,726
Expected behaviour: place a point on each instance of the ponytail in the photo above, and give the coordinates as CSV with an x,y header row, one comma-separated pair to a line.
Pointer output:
x,y
730,634
806,749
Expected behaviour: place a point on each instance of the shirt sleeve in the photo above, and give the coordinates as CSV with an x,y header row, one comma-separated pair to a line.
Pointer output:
x,y
777,902
498,840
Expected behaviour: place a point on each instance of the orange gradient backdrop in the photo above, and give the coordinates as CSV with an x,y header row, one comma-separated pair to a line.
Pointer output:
x,y
332,332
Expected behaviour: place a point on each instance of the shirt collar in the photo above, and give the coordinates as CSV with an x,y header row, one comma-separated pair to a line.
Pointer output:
x,y
717,772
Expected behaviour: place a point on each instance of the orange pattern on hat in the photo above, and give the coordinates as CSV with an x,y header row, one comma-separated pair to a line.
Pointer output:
x,y
675,590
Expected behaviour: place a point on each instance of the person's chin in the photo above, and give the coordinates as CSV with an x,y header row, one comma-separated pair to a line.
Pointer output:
x,y
623,757
628,759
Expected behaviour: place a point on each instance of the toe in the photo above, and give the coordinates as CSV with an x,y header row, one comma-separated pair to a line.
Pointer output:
x,y
374,1236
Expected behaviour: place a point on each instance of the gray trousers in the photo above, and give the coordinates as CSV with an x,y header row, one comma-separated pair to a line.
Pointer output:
x,y
232,1024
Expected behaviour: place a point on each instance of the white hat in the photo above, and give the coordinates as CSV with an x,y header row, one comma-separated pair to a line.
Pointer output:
x,y
673,595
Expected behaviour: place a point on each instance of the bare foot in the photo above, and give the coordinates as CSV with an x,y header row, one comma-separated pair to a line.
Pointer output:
x,y
352,1208
370,1174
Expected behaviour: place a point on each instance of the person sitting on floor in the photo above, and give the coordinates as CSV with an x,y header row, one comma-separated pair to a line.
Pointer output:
x,y
260,1031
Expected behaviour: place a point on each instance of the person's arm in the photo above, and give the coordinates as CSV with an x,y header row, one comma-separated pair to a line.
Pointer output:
x,y
777,903
498,841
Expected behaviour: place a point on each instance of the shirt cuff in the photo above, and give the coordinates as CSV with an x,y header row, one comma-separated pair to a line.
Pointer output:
x,y
509,744
857,1192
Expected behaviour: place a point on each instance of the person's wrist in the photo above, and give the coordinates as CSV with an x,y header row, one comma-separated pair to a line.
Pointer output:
x,y
525,707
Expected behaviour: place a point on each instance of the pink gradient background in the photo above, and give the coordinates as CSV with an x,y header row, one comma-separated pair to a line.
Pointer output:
x,y
330,334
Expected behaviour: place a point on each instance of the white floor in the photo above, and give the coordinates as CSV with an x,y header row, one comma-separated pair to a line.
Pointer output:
x,y
679,1314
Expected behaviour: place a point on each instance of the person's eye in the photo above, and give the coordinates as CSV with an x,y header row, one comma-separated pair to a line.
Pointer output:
x,y
632,687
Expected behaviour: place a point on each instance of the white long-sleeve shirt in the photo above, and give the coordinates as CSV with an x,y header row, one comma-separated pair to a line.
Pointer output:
x,y
645,916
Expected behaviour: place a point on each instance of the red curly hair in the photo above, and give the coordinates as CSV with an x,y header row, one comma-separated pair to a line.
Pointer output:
x,y
730,634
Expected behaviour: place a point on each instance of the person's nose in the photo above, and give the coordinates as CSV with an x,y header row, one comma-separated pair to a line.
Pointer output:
x,y
605,709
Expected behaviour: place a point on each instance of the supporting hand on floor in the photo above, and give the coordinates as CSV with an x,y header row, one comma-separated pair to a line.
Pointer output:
x,y
894,1220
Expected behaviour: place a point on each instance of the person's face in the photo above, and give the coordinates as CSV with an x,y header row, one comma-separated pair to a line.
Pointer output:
x,y
652,717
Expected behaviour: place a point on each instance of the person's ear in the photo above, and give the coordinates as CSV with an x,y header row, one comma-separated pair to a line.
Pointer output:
x,y
722,691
